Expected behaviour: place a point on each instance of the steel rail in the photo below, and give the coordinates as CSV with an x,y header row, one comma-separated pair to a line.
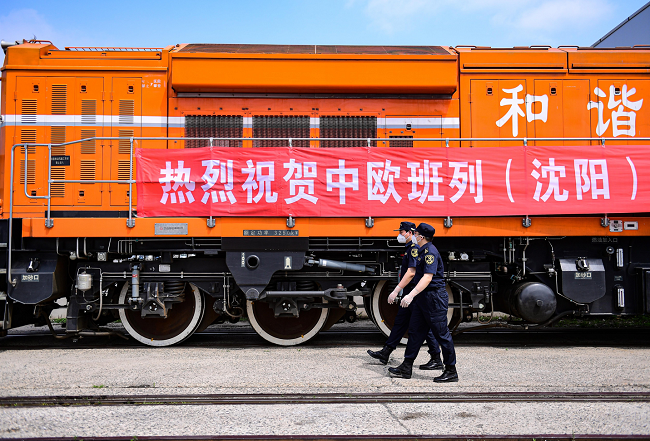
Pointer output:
x,y
323,398
400,437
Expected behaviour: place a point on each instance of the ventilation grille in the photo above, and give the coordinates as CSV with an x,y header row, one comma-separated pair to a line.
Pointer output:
x,y
58,137
348,127
58,189
280,127
29,111
31,171
402,143
127,111
59,99
214,126
124,145
123,173
87,170
88,112
88,147
28,136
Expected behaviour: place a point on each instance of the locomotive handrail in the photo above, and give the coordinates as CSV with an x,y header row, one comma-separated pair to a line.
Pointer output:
x,y
49,223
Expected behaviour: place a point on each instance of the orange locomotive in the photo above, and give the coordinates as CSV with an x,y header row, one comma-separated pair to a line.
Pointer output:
x,y
72,118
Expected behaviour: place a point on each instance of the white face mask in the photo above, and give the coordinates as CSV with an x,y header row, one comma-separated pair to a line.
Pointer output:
x,y
401,239
414,240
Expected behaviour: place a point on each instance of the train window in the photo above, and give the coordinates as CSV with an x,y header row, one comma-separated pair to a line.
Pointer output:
x,y
348,127
281,127
214,126
35,87
81,193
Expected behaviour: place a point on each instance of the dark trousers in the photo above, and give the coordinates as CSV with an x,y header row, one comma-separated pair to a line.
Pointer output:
x,y
402,325
429,315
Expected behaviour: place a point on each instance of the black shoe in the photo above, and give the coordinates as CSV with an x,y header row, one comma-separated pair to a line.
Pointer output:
x,y
433,364
404,370
382,355
449,375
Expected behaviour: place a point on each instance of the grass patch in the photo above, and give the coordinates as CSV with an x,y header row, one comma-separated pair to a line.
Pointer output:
x,y
638,321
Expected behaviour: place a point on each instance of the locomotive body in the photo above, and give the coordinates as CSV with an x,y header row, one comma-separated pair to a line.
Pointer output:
x,y
73,120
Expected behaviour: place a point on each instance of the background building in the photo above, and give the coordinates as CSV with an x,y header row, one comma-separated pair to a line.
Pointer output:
x,y
635,30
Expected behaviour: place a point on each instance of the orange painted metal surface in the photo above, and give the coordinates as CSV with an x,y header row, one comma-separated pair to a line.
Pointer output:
x,y
402,73
149,93
335,227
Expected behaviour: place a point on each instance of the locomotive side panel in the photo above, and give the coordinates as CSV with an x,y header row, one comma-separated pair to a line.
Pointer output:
x,y
169,277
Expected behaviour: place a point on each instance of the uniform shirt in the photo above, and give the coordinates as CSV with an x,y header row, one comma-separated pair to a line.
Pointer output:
x,y
409,261
429,262
410,258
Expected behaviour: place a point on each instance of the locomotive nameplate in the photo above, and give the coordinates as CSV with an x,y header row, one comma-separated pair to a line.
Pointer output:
x,y
171,229
60,161
271,233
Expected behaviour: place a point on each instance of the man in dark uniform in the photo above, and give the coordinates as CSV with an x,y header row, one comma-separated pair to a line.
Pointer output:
x,y
430,304
407,272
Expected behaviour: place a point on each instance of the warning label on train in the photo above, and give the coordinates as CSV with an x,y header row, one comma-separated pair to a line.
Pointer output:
x,y
486,181
60,161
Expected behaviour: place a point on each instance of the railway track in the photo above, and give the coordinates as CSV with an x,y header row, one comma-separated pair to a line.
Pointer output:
x,y
30,339
326,398
571,437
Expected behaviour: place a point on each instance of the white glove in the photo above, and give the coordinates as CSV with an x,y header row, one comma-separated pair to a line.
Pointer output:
x,y
393,295
406,300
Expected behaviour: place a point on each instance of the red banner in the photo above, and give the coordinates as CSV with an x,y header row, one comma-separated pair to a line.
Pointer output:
x,y
383,182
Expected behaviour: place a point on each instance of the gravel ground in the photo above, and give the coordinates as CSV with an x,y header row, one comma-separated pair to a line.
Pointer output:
x,y
309,369
341,419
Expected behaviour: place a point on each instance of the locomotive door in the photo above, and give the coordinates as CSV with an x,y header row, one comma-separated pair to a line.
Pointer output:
x,y
126,121
498,110
30,128
622,110
87,156
559,110
403,130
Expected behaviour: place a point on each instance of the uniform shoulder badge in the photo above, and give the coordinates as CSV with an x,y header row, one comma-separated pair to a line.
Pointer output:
x,y
429,259
414,252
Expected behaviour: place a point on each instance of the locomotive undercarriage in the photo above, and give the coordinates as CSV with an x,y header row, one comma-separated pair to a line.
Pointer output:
x,y
292,288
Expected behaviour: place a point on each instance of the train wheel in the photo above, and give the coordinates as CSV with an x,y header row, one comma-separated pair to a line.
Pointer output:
x,y
285,331
453,315
384,313
367,305
336,314
181,322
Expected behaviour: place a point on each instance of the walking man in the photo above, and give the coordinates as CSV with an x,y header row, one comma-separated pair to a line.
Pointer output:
x,y
430,304
407,273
